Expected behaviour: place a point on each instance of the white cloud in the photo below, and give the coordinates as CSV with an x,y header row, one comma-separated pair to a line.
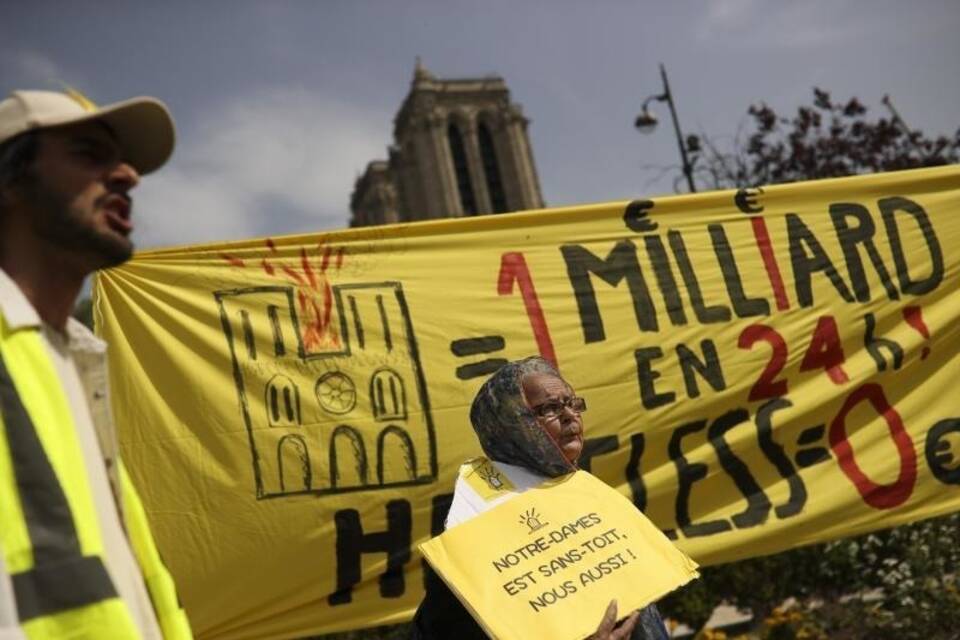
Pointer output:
x,y
40,67
30,69
728,13
272,163
792,25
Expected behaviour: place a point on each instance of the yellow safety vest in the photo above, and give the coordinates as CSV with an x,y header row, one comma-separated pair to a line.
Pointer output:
x,y
48,525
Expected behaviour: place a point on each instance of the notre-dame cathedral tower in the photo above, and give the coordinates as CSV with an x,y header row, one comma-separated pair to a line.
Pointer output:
x,y
460,149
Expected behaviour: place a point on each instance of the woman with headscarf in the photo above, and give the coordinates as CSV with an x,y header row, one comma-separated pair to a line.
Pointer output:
x,y
529,424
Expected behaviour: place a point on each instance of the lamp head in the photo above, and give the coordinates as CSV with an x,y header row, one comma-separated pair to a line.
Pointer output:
x,y
646,121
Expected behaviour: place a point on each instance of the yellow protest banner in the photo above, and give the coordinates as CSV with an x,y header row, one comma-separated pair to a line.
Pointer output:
x,y
548,561
764,368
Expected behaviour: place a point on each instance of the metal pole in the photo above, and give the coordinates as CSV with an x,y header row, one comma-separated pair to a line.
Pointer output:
x,y
687,168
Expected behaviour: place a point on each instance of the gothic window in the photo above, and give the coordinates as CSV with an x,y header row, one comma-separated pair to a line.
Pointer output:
x,y
283,402
498,199
388,396
457,150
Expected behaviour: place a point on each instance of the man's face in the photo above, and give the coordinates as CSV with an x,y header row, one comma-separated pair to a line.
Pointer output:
x,y
77,195
550,394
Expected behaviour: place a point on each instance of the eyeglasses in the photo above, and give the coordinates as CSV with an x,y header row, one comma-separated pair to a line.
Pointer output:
x,y
552,409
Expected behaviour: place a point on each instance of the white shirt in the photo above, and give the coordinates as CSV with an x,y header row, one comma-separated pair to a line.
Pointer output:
x,y
468,502
79,358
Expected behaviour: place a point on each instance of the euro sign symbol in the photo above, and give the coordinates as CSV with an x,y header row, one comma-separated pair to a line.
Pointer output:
x,y
635,216
943,450
746,200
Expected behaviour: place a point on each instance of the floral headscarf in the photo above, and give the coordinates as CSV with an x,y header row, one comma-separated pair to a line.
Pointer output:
x,y
507,429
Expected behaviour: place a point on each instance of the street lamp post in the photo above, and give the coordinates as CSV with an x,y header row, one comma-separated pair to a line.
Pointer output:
x,y
647,120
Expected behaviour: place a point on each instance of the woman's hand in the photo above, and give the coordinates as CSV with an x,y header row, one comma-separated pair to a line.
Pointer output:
x,y
608,629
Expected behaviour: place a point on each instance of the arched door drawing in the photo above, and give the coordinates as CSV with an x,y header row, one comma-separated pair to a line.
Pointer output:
x,y
396,457
348,458
293,464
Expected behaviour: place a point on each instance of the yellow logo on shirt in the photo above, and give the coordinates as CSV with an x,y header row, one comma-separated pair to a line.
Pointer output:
x,y
484,478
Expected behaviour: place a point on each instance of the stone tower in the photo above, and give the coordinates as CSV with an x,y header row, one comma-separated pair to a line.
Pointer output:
x,y
460,149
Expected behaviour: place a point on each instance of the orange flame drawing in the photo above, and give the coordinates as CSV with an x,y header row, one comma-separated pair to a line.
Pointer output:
x,y
314,294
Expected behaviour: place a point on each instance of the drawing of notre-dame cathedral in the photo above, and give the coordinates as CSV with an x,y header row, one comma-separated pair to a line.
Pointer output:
x,y
460,149
348,413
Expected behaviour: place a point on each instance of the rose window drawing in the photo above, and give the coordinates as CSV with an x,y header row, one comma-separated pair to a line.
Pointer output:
x,y
336,393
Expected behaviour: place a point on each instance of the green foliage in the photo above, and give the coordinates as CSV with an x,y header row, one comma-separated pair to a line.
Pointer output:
x,y
907,582
894,584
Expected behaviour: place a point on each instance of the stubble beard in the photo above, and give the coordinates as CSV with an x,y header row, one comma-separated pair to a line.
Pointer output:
x,y
58,221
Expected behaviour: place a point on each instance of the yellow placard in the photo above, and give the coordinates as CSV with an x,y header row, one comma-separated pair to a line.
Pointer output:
x,y
547,562
763,368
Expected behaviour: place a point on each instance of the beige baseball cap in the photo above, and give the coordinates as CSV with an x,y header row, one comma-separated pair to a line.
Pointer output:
x,y
143,126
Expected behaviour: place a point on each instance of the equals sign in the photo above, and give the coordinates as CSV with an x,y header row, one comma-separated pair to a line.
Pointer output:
x,y
811,455
474,346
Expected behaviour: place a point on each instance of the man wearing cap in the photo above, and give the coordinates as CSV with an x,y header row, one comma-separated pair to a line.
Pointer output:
x,y
77,556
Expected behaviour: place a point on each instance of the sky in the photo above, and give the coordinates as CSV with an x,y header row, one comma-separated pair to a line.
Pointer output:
x,y
280,105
